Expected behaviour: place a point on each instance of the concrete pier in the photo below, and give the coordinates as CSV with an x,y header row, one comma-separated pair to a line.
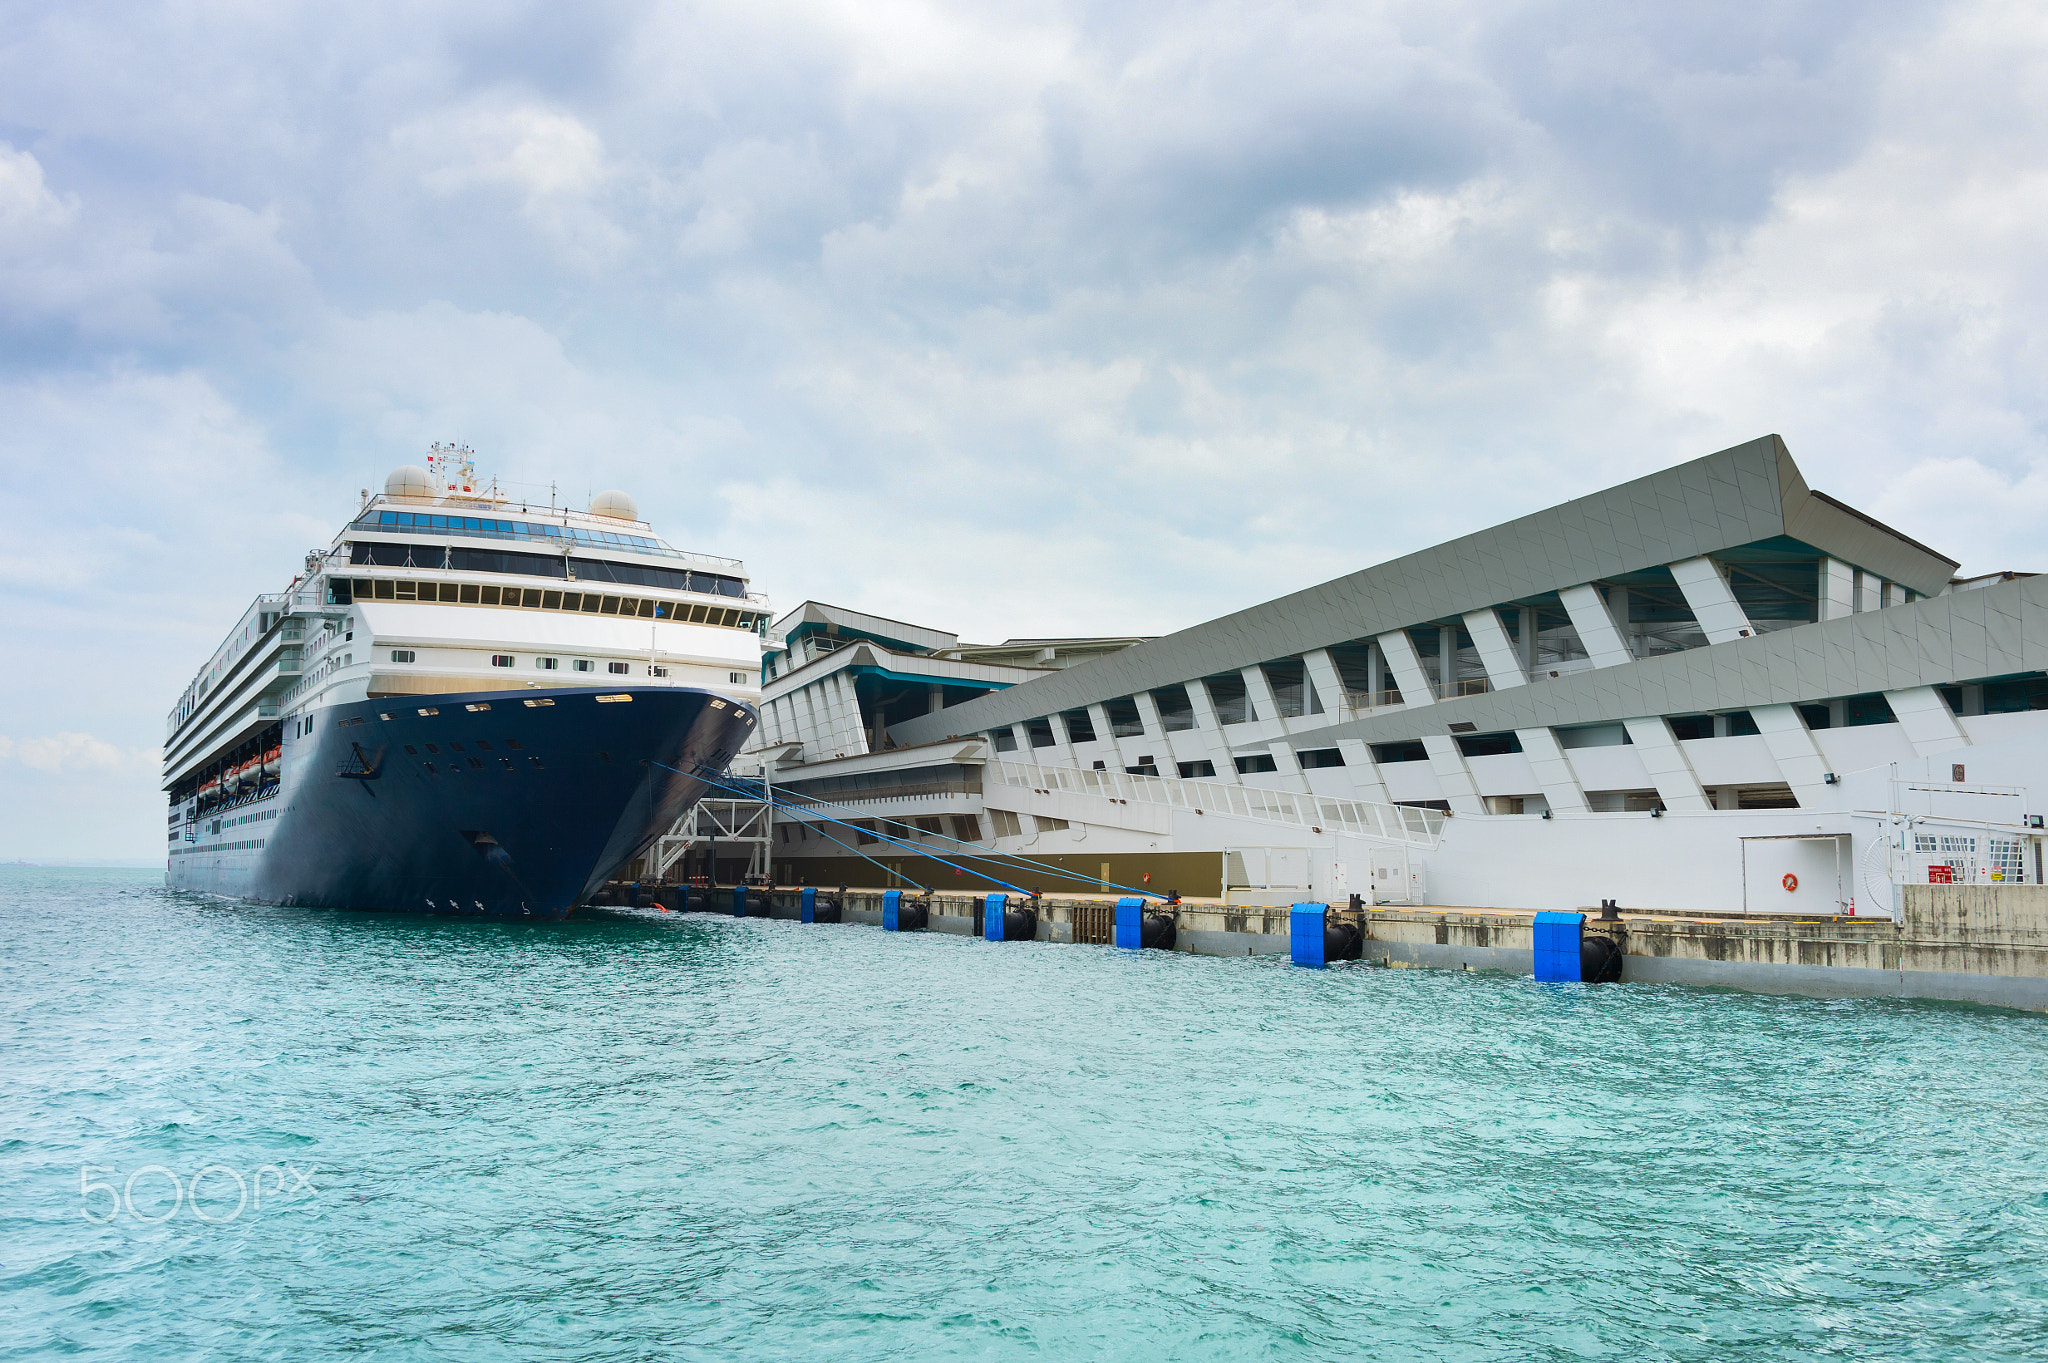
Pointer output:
x,y
1969,943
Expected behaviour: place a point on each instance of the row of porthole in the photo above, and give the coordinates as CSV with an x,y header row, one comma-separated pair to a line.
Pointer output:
x,y
407,655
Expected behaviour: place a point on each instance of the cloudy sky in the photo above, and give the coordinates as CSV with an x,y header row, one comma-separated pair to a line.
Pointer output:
x,y
1010,319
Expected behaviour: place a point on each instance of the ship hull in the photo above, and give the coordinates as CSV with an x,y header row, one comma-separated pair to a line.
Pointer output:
x,y
510,804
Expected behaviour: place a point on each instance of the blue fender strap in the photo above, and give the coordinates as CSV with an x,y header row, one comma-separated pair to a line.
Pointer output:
x,y
992,916
808,905
739,901
892,904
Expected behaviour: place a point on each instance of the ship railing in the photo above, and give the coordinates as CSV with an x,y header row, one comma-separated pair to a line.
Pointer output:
x,y
1319,813
556,542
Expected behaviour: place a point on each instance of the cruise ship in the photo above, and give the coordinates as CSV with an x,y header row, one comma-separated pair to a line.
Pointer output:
x,y
467,703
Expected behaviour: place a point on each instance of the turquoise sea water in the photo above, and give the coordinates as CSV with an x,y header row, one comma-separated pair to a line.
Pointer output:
x,y
646,1135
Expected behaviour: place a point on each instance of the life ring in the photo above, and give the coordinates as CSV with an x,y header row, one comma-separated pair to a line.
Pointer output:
x,y
1791,881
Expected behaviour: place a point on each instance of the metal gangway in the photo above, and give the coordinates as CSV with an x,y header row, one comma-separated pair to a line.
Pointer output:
x,y
724,818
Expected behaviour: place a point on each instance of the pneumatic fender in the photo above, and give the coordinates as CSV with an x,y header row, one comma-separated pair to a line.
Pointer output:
x,y
1342,940
913,915
758,904
1020,925
827,910
1599,959
1159,931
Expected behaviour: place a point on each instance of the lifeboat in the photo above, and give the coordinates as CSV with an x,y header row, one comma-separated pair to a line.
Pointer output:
x,y
273,758
230,780
251,773
209,791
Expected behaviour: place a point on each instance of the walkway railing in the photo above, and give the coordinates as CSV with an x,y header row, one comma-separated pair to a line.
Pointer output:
x,y
1390,823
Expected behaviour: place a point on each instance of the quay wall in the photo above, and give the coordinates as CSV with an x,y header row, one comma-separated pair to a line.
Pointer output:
x,y
1969,943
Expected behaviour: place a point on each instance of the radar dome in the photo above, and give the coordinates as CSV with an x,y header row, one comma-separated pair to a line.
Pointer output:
x,y
615,504
409,481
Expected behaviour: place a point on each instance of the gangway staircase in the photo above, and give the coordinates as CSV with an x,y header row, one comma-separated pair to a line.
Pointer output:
x,y
738,815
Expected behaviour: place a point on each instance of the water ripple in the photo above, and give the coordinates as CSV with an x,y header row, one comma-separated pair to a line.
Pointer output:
x,y
643,1135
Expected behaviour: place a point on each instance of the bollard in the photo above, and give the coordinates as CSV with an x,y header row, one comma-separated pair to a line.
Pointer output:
x,y
1305,934
807,905
1556,955
1130,922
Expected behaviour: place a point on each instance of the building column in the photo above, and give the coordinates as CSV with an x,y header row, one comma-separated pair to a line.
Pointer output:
x,y
1209,729
1452,774
1894,594
934,698
1677,786
1363,772
1869,592
1924,717
1259,692
1595,625
1496,650
1022,733
1561,788
1837,589
1409,678
1705,584
1322,675
852,735
1099,714
1525,641
1799,758
1287,768
1446,660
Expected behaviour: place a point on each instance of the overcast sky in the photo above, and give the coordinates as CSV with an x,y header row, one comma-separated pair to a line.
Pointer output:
x,y
1008,319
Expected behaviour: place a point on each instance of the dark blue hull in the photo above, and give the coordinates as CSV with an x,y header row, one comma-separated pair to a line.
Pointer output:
x,y
515,803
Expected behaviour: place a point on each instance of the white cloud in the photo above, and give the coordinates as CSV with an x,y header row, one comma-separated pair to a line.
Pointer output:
x,y
66,752
1012,319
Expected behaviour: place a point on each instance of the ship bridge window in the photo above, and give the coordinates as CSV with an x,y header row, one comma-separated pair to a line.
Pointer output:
x,y
402,655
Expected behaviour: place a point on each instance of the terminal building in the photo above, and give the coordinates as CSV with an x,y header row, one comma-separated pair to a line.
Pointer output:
x,y
1710,689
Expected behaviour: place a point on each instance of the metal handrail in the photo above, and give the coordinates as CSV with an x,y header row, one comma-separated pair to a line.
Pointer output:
x,y
555,541
1363,818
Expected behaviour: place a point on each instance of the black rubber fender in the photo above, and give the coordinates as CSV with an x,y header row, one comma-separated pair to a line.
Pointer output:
x,y
1342,940
758,904
827,910
1020,925
1159,931
1599,959
913,915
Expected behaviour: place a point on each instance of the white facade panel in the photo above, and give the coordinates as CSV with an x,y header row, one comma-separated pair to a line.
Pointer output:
x,y
1508,773
1740,761
1616,768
